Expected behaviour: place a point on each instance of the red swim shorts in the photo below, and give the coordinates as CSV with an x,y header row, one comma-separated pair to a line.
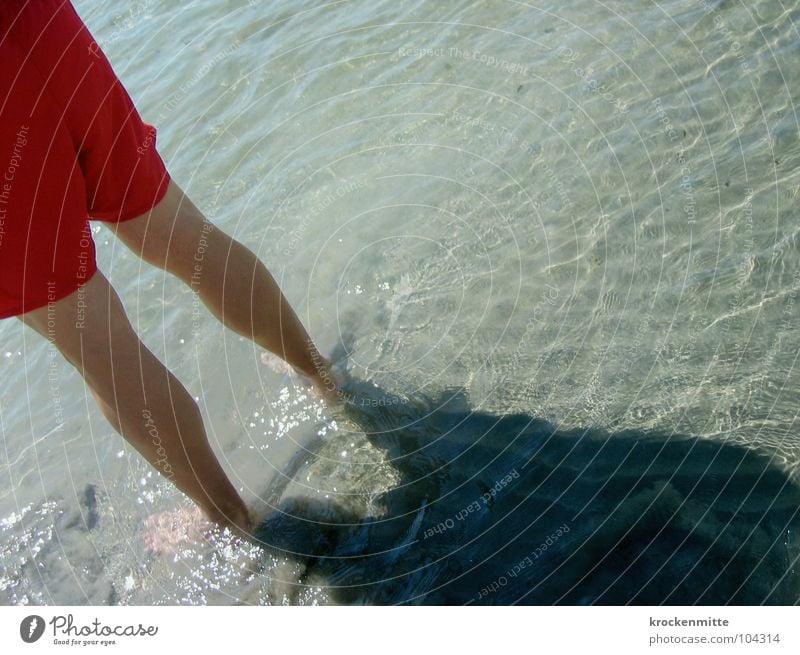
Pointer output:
x,y
72,147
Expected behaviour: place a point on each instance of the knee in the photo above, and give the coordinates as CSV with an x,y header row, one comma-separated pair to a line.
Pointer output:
x,y
187,242
168,241
170,235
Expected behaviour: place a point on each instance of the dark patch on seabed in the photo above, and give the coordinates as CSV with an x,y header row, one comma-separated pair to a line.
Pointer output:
x,y
509,510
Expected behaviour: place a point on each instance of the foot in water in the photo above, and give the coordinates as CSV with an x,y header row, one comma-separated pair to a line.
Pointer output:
x,y
167,532
328,384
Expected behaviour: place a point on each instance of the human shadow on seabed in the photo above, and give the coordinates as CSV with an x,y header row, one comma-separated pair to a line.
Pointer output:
x,y
510,510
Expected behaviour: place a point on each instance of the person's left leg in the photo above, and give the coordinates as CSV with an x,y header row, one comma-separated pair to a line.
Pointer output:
x,y
230,280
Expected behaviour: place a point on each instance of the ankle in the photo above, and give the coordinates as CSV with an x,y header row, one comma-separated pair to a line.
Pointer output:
x,y
318,371
237,518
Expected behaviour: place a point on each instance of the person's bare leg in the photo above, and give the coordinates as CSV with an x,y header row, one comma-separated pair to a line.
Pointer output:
x,y
230,280
140,397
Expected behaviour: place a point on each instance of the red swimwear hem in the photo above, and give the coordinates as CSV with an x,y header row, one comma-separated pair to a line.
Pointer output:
x,y
38,304
117,216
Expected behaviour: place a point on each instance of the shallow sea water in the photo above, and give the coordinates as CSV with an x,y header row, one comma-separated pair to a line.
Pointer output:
x,y
555,247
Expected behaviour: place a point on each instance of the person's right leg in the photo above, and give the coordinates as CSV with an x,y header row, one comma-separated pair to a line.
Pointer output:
x,y
139,396
230,280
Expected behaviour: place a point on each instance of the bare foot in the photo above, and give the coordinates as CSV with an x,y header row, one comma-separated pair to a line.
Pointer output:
x,y
167,532
327,383
276,364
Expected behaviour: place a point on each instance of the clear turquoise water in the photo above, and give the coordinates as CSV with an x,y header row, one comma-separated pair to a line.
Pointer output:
x,y
581,215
